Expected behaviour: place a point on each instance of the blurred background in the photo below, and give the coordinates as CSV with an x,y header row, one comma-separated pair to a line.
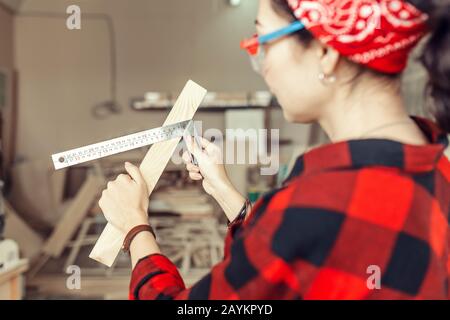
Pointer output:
x,y
120,73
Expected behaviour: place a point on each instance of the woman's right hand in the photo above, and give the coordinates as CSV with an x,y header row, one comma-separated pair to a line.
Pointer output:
x,y
210,167
211,171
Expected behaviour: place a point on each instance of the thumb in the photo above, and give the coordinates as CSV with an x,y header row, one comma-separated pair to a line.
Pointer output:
x,y
192,147
208,147
205,143
135,173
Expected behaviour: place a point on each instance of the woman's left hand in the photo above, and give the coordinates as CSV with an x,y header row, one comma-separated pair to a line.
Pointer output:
x,y
124,202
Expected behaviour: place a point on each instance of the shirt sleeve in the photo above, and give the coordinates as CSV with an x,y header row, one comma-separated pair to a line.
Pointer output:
x,y
232,228
159,274
273,254
155,277
315,239
237,224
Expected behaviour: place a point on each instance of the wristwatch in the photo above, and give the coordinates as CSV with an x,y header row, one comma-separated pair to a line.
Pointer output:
x,y
243,212
133,233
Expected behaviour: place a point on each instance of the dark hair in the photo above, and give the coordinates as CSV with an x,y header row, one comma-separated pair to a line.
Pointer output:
x,y
283,9
435,55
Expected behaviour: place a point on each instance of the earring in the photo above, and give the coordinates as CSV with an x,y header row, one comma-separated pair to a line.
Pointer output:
x,y
327,79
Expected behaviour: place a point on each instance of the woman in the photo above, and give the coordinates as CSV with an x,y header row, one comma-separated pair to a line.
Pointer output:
x,y
375,201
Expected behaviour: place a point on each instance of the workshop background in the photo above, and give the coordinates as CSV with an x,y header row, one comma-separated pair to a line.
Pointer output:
x,y
118,74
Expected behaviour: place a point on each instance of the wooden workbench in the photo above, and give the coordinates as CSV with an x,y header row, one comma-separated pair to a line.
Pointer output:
x,y
11,281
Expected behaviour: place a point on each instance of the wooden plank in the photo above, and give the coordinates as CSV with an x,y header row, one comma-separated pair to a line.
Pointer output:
x,y
30,243
73,216
57,182
11,281
95,286
92,287
19,268
30,194
152,166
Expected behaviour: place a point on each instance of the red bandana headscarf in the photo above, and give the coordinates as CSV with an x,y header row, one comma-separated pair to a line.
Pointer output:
x,y
376,33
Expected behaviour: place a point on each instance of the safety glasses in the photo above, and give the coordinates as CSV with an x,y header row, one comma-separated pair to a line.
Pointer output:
x,y
255,48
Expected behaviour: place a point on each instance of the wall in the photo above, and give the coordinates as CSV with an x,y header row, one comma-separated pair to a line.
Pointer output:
x,y
160,44
6,66
6,38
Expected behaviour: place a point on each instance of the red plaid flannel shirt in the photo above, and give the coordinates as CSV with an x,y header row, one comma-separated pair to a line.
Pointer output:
x,y
345,207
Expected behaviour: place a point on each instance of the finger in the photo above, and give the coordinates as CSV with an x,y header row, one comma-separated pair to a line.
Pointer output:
x,y
103,199
189,143
195,149
123,177
195,176
192,168
186,157
100,202
208,147
135,173
204,143
211,148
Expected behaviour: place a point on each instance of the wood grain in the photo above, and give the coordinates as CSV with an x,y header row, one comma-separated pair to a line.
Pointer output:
x,y
30,243
110,241
75,213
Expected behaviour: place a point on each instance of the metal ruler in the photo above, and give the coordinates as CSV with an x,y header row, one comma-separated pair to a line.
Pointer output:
x,y
121,144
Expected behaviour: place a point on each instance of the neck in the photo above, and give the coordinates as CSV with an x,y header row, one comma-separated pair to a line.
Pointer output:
x,y
355,111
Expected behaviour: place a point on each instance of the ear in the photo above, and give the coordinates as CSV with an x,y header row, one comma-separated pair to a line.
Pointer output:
x,y
328,59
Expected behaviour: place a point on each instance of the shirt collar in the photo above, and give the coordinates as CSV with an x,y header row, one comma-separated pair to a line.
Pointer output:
x,y
354,154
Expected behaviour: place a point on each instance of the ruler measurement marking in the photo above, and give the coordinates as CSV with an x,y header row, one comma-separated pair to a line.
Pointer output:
x,y
118,145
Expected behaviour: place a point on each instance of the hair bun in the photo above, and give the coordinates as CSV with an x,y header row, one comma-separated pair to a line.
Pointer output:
x,y
436,57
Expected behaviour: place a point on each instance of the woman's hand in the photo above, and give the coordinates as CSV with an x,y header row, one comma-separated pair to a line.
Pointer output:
x,y
211,171
210,167
124,202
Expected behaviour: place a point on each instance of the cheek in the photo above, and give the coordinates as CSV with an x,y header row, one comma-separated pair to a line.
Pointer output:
x,y
293,80
291,73
284,65
276,65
